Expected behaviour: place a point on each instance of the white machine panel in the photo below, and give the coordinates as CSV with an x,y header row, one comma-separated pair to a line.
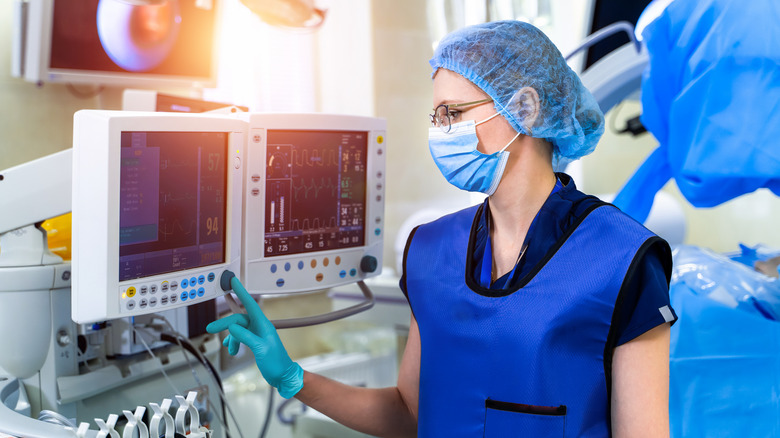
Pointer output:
x,y
314,201
157,210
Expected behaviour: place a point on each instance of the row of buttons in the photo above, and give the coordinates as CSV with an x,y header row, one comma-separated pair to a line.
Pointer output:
x,y
287,266
152,301
173,285
165,299
320,276
192,294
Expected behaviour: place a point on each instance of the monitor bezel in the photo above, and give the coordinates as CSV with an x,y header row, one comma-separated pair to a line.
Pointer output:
x,y
96,196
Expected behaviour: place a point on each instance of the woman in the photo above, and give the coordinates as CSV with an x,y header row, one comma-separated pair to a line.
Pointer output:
x,y
542,312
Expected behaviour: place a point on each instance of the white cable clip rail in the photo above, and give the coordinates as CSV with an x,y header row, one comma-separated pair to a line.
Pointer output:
x,y
161,413
107,427
187,405
135,422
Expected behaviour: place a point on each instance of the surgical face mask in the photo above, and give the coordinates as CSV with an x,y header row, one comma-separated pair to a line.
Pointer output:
x,y
458,159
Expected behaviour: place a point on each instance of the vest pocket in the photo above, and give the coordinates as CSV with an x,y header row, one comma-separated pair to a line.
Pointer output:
x,y
504,419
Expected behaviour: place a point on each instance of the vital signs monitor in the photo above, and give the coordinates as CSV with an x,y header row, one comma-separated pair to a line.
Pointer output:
x,y
165,203
314,201
157,210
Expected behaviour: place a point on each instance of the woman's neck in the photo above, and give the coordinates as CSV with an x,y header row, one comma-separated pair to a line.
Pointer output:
x,y
527,182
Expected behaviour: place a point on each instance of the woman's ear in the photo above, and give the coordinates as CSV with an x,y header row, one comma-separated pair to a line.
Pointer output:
x,y
525,103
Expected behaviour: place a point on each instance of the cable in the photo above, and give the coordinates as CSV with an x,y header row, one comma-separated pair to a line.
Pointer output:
x,y
52,417
269,412
613,115
162,368
185,344
208,365
633,125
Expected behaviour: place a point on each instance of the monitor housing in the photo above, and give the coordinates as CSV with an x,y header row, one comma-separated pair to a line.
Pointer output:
x,y
114,42
157,210
313,202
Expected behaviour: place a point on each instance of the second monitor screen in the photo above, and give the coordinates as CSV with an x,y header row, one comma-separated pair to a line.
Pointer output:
x,y
315,191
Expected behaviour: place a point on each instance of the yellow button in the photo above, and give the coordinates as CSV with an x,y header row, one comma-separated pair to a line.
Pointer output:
x,y
131,291
380,139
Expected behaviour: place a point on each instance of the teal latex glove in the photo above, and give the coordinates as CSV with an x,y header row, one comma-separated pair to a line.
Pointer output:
x,y
254,330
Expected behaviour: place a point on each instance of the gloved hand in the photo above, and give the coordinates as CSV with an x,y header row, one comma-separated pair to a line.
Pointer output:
x,y
255,331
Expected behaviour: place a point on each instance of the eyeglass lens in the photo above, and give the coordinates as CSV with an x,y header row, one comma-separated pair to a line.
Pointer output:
x,y
442,118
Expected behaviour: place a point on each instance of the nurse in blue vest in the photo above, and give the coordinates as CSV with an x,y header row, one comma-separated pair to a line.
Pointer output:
x,y
543,312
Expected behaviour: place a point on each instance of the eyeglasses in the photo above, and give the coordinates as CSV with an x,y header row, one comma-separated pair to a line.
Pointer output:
x,y
442,116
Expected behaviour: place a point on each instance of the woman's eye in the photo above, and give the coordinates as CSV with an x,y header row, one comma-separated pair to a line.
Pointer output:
x,y
454,115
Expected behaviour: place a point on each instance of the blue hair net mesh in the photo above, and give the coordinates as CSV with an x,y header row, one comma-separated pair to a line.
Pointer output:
x,y
502,58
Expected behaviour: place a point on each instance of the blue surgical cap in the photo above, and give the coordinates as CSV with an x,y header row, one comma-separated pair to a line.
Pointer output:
x,y
502,58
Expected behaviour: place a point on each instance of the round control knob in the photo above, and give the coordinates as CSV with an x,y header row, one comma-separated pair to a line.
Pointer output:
x,y
63,338
368,264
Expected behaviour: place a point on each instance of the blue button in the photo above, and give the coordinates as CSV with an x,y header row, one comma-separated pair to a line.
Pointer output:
x,y
211,277
201,279
280,282
300,265
343,274
377,231
193,281
352,272
287,266
184,283
273,268
184,296
193,294
201,292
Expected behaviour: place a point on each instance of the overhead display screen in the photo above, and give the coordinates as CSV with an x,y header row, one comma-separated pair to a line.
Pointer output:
x,y
172,202
171,38
315,196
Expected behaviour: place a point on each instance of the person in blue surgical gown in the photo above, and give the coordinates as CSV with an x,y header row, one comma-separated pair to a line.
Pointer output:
x,y
542,312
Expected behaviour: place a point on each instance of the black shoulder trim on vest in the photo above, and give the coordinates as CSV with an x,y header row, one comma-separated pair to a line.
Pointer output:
x,y
402,282
609,347
474,286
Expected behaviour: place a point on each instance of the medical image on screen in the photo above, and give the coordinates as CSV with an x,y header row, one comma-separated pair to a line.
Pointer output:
x,y
315,198
171,38
172,202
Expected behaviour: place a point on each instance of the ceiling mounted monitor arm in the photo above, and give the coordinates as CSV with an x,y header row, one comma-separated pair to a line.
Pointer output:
x,y
32,193
608,31
616,76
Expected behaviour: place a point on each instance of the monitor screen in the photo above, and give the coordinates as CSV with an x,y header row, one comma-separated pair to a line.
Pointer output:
x,y
315,191
172,202
116,41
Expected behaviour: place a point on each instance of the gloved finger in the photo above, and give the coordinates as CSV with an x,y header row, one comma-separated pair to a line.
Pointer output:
x,y
233,345
251,340
223,323
256,315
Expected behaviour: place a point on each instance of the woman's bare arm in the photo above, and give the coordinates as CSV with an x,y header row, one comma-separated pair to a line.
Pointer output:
x,y
640,386
385,412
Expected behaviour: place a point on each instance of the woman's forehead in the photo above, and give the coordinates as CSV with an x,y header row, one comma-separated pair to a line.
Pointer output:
x,y
448,85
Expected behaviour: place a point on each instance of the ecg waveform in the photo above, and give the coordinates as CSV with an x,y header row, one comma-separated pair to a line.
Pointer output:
x,y
177,229
314,224
311,191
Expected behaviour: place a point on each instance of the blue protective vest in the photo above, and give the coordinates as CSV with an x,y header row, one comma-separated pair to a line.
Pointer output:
x,y
531,362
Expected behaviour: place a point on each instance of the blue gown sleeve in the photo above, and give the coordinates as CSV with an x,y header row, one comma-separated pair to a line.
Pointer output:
x,y
647,304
